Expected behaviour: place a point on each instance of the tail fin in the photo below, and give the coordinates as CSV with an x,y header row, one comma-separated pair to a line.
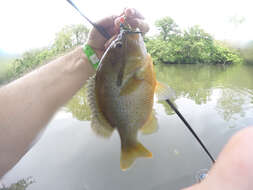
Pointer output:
x,y
130,153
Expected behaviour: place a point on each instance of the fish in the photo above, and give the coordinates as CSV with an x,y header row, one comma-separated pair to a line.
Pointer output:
x,y
121,95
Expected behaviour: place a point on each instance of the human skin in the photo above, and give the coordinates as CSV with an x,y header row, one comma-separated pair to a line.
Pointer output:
x,y
233,169
28,103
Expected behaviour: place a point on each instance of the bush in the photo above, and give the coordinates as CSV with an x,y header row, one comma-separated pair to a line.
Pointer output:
x,y
188,47
68,38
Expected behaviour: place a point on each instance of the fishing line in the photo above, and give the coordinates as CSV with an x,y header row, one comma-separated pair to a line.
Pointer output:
x,y
190,128
103,32
99,28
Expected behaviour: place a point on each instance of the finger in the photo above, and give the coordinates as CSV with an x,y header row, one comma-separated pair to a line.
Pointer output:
x,y
107,22
117,21
133,13
135,23
139,23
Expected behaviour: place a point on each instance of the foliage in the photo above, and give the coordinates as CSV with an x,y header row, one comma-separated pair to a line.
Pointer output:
x,y
236,20
78,106
22,184
167,27
5,68
68,38
30,60
172,45
189,46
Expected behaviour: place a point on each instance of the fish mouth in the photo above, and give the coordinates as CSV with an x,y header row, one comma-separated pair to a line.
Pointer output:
x,y
125,29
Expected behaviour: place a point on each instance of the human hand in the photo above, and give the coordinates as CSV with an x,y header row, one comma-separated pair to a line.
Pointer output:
x,y
233,169
111,25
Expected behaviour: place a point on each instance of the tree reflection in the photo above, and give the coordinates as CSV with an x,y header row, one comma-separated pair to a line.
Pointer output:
x,y
235,84
197,82
230,103
168,109
78,106
190,81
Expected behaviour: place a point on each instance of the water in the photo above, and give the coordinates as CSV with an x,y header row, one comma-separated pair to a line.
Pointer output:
x,y
216,100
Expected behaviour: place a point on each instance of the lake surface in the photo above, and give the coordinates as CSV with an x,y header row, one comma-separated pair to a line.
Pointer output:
x,y
217,101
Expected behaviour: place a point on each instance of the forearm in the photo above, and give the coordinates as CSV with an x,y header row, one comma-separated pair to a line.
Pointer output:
x,y
27,104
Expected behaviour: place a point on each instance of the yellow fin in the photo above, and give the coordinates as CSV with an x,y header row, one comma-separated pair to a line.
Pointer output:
x,y
164,92
142,72
135,79
130,153
151,125
98,122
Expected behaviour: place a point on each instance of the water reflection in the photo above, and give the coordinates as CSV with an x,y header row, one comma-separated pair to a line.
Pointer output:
x,y
234,85
168,109
230,104
193,82
78,106
198,83
20,185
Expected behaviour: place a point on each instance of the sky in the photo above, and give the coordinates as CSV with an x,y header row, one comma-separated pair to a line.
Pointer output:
x,y
29,24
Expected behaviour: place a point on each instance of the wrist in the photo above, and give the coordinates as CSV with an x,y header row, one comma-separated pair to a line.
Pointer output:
x,y
99,51
91,56
83,66
78,63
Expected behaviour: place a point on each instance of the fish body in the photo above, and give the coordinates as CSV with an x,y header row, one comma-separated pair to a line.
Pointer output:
x,y
121,95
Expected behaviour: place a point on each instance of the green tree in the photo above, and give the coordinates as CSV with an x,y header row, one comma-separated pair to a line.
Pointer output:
x,y
190,46
197,46
69,37
236,20
167,27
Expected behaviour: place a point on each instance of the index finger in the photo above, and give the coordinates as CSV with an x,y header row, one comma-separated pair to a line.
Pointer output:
x,y
107,22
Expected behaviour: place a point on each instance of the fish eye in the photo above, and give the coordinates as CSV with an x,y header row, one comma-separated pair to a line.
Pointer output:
x,y
118,45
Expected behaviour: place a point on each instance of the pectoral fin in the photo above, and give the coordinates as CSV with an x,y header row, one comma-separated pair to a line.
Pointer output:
x,y
98,122
151,124
144,73
164,92
130,86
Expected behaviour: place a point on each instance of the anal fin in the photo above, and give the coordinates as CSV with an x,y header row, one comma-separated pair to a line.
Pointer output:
x,y
151,125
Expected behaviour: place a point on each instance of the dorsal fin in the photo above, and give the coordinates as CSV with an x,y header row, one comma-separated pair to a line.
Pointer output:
x,y
98,122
